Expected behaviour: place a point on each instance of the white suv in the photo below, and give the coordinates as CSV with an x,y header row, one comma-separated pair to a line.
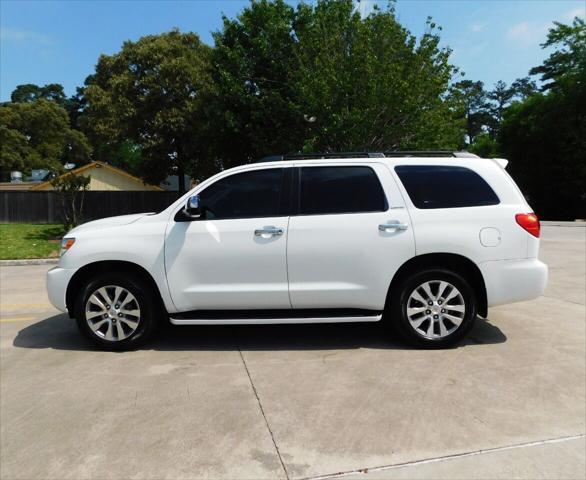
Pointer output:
x,y
423,241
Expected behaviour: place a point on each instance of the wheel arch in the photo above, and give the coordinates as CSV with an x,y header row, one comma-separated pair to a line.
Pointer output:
x,y
451,261
91,269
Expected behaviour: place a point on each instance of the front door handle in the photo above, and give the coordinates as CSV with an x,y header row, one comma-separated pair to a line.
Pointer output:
x,y
268,231
392,225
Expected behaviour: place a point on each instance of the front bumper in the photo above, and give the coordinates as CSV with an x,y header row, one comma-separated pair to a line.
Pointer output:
x,y
57,280
509,281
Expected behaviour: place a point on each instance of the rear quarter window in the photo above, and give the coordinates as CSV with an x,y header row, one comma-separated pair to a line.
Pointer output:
x,y
439,186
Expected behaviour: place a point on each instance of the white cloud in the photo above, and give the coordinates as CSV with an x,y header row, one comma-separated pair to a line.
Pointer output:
x,y
527,34
477,27
577,12
16,35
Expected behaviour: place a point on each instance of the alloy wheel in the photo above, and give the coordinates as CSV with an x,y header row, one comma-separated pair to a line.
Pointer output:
x,y
112,313
435,309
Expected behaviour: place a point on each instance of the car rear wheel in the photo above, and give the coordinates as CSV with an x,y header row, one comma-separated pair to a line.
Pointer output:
x,y
116,311
434,308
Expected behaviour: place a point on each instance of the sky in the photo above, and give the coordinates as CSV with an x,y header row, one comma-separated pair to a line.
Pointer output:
x,y
60,41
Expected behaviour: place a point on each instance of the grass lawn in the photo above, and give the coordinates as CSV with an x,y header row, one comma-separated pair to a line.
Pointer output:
x,y
25,240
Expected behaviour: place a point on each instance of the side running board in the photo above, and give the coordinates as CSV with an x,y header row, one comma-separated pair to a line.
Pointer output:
x,y
232,317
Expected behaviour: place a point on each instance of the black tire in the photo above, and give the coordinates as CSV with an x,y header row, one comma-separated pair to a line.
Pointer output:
x,y
145,298
398,300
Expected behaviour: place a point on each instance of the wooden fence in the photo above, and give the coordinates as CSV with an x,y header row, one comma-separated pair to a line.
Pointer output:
x,y
45,207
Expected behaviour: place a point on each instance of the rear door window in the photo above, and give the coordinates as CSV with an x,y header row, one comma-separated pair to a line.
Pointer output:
x,y
439,186
343,189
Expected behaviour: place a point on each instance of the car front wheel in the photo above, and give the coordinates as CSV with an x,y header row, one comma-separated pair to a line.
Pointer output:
x,y
116,311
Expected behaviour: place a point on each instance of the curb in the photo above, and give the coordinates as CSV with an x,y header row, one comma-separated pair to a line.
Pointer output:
x,y
29,261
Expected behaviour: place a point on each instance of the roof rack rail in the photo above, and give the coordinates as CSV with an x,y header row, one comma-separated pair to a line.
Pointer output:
x,y
420,153
320,155
429,153
388,153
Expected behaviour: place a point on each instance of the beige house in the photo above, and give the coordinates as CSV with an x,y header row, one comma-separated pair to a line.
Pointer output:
x,y
105,177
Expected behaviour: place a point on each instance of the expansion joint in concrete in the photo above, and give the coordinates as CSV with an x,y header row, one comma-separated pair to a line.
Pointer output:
x,y
415,463
263,414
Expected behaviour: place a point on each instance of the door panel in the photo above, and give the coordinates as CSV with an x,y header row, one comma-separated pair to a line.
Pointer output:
x,y
234,255
222,264
345,260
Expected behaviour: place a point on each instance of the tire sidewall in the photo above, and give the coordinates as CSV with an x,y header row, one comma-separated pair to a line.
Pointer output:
x,y
144,298
399,301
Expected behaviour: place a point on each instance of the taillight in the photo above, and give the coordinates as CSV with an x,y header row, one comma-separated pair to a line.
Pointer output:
x,y
529,222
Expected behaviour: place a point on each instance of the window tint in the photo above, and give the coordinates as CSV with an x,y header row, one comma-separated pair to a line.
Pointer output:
x,y
445,187
340,190
244,195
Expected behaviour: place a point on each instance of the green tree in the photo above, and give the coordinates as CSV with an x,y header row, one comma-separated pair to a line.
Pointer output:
x,y
485,146
256,111
523,88
545,136
369,83
75,106
71,189
545,140
37,134
474,100
484,110
30,92
151,95
322,78
125,155
501,96
567,64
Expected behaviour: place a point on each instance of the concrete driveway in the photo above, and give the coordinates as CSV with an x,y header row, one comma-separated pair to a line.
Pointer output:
x,y
299,401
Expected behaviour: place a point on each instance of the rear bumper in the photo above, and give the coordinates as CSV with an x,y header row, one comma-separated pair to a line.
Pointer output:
x,y
57,280
509,281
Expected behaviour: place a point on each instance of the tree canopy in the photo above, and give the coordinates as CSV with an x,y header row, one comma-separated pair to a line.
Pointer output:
x,y
255,112
320,78
567,64
37,134
475,105
30,92
545,136
151,94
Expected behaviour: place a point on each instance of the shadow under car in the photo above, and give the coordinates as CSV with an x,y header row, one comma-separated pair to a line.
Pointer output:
x,y
60,332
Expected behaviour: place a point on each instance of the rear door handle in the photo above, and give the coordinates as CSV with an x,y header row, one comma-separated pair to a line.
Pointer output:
x,y
393,225
268,231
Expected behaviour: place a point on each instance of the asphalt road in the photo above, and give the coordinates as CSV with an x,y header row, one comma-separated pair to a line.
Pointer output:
x,y
303,401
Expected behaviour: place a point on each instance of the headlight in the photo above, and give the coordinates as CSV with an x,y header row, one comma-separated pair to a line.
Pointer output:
x,y
66,244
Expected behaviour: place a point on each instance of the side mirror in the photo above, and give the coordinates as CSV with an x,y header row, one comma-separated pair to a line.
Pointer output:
x,y
192,207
